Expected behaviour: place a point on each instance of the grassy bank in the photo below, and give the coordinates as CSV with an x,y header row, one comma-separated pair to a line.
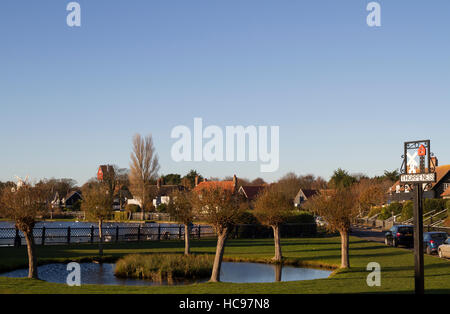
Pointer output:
x,y
397,267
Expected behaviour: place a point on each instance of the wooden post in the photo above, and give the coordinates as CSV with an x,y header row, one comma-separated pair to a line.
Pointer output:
x,y
418,240
68,235
43,236
92,234
17,239
117,233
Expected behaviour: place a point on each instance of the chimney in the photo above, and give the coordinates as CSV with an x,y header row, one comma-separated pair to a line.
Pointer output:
x,y
158,183
434,162
235,181
196,180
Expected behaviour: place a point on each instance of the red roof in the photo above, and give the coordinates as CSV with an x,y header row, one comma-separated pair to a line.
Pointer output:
x,y
446,192
252,191
226,185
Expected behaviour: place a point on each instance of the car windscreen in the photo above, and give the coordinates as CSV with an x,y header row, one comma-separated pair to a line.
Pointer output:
x,y
405,230
440,236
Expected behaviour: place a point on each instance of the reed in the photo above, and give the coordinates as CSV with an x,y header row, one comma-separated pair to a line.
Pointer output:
x,y
159,267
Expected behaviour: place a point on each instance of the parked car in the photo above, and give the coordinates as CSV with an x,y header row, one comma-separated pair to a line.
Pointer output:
x,y
432,241
444,249
400,235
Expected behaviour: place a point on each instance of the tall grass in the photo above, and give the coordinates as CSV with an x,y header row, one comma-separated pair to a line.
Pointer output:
x,y
159,267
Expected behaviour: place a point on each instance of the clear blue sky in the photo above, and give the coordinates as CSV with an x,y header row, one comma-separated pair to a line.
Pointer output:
x,y
344,95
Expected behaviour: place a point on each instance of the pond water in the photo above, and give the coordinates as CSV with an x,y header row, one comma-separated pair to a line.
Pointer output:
x,y
103,274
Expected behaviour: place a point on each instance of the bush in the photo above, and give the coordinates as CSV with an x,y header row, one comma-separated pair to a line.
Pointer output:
x,y
374,210
162,208
159,267
434,204
120,216
132,208
298,217
408,210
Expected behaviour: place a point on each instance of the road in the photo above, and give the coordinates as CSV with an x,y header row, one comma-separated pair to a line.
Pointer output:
x,y
367,233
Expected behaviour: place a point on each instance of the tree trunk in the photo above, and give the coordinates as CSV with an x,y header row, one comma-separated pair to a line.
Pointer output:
x,y
221,238
278,269
100,236
345,261
32,262
187,241
276,237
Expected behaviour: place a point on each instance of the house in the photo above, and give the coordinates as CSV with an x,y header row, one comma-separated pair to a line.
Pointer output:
x,y
251,192
71,199
400,192
159,192
446,194
303,195
226,185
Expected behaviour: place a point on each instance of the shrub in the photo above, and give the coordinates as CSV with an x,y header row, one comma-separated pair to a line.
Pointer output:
x,y
300,217
434,204
408,210
132,208
159,267
119,216
162,208
374,210
395,208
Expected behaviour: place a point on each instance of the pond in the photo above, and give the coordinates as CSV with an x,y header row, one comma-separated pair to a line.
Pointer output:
x,y
103,274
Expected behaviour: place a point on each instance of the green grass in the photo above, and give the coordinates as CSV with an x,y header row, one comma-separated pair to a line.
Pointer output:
x,y
397,267
159,267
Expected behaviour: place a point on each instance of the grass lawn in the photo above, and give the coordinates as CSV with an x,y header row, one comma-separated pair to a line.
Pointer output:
x,y
397,274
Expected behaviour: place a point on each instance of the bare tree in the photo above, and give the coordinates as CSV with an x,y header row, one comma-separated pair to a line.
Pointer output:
x,y
371,192
181,208
337,208
272,208
24,205
97,203
144,168
220,208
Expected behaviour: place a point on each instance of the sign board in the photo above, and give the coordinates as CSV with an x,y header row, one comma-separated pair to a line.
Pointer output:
x,y
418,178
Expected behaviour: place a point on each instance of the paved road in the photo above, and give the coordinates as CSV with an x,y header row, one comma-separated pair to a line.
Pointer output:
x,y
370,234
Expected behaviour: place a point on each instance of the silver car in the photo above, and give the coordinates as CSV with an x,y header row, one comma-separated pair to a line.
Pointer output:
x,y
444,249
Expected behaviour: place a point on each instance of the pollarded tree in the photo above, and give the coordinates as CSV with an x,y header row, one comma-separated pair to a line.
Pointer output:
x,y
23,205
337,208
97,203
272,208
181,208
220,208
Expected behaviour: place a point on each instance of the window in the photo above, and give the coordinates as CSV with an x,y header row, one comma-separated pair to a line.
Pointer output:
x,y
446,186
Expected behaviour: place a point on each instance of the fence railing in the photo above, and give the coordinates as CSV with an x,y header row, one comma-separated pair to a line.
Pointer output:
x,y
70,235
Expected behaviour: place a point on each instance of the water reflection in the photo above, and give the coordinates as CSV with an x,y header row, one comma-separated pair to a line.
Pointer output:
x,y
103,274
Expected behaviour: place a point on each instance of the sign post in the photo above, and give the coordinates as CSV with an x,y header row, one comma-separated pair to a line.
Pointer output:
x,y
417,175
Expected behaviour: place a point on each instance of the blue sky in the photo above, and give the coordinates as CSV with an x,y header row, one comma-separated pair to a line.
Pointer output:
x,y
344,94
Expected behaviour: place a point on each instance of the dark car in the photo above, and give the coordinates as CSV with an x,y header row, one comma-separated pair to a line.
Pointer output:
x,y
432,241
400,235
